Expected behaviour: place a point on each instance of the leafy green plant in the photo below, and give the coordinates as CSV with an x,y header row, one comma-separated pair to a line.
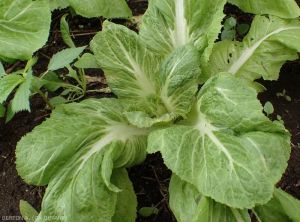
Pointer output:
x,y
225,154
21,82
229,31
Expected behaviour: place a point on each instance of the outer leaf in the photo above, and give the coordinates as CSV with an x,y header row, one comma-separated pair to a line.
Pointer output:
x,y
27,211
189,205
170,24
105,8
126,199
178,86
282,208
280,8
227,149
21,98
268,45
127,62
64,58
24,27
76,151
7,84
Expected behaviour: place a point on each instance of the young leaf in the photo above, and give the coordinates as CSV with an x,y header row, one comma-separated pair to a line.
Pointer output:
x,y
280,8
27,211
227,153
24,27
170,24
242,29
20,101
230,23
105,8
87,61
268,108
270,42
148,211
178,80
64,58
178,86
65,32
7,84
189,205
79,152
127,62
281,208
228,34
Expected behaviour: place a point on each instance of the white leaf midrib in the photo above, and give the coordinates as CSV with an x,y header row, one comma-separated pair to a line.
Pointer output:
x,y
249,51
180,32
207,129
117,132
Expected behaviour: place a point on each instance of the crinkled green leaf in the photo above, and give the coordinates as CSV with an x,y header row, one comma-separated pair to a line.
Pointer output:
x,y
65,32
227,148
7,84
280,8
270,42
24,28
178,86
20,101
87,61
189,205
105,8
2,70
126,199
127,62
170,24
58,4
75,152
281,208
143,120
64,58
27,211
178,80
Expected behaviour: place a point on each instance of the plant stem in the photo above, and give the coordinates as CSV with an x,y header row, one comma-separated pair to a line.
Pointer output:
x,y
44,97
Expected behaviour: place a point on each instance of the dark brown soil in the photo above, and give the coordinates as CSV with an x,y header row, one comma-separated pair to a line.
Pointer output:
x,y
12,189
150,179
290,113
